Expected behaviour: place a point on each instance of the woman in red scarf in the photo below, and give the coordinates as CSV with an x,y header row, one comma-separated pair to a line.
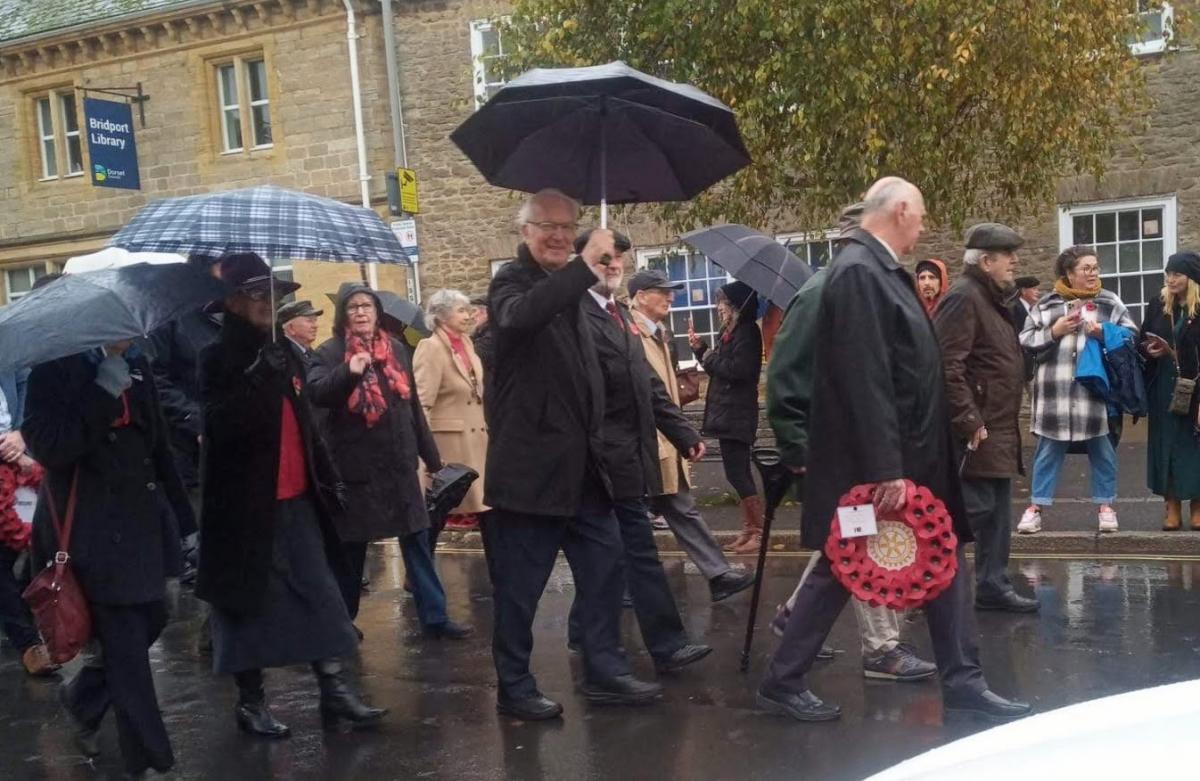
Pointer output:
x,y
377,430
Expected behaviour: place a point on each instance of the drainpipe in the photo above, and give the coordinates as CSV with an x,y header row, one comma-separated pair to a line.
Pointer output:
x,y
371,276
395,104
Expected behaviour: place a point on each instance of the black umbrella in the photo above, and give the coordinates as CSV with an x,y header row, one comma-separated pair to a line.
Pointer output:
x,y
777,480
79,312
447,489
603,134
754,258
398,312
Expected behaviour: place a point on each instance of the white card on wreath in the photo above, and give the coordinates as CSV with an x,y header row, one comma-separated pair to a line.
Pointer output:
x,y
857,521
25,503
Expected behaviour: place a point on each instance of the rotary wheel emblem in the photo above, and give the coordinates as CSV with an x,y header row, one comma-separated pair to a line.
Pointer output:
x,y
894,547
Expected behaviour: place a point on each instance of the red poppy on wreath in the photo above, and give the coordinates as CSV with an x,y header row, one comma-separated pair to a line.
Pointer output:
x,y
910,559
14,534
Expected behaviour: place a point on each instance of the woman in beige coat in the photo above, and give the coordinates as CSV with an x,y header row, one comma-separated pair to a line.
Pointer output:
x,y
450,385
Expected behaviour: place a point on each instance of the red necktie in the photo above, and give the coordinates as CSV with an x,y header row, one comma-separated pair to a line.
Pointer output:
x,y
611,306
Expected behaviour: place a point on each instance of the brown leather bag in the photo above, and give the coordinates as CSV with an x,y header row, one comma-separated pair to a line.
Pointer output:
x,y
55,597
689,385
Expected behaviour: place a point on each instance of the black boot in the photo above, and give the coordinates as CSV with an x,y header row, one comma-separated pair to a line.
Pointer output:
x,y
339,702
252,714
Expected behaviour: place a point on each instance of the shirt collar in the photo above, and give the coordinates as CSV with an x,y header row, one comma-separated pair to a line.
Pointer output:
x,y
603,301
888,247
302,348
647,323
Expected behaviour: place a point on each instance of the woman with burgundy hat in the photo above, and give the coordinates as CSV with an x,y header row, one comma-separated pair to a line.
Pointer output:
x,y
731,406
1171,338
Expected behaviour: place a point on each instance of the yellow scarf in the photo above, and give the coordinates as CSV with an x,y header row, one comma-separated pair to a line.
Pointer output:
x,y
1064,289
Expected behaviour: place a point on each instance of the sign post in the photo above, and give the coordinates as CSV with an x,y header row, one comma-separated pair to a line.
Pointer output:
x,y
111,145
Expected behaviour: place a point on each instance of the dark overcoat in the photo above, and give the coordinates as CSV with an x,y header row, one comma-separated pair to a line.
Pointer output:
x,y
176,349
130,500
733,367
879,407
1172,451
636,403
379,463
242,423
546,402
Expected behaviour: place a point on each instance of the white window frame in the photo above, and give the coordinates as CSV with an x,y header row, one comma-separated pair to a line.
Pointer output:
x,y
478,27
47,141
1158,45
33,273
1170,210
828,236
56,138
226,107
66,99
242,103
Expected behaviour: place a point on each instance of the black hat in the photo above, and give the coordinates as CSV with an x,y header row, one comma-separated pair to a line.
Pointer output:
x,y
930,266
1186,263
741,295
1024,283
245,272
620,241
993,236
294,309
651,279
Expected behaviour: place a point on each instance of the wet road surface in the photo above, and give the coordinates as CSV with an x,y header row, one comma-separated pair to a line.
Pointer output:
x,y
1105,627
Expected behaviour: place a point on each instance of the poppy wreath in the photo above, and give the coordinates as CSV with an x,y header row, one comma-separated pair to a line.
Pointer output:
x,y
908,562
13,533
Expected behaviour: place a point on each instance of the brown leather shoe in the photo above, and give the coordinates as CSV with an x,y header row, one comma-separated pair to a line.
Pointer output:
x,y
37,661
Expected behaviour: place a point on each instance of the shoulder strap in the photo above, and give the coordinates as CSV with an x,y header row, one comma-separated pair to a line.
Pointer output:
x,y
63,526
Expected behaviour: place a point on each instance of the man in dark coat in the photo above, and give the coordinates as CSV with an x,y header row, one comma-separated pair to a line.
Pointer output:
x,y
984,383
879,416
636,403
269,548
93,421
547,478
1028,293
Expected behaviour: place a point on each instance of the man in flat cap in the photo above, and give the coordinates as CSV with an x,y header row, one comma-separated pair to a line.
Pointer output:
x,y
985,377
298,319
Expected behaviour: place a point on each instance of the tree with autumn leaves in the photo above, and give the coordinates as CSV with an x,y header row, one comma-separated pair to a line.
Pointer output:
x,y
983,103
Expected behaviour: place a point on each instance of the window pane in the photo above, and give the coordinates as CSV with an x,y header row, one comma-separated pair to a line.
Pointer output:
x,y
1152,223
1129,257
676,268
45,122
1108,259
228,85
1110,284
1130,290
49,159
70,120
74,154
1152,285
658,262
703,321
679,298
682,348
679,322
262,124
1127,226
233,129
1152,254
257,72
698,294
820,254
20,280
489,38
1081,229
1106,227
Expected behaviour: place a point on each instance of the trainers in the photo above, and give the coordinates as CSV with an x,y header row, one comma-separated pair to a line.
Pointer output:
x,y
899,664
1031,521
1108,520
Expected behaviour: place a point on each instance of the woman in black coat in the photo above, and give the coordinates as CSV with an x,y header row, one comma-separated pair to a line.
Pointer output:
x,y
376,429
731,407
94,422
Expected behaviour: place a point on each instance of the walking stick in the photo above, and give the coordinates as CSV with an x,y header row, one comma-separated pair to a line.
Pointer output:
x,y
776,479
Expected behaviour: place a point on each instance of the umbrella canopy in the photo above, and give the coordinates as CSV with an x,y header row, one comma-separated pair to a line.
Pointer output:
x,y
607,133
398,312
275,223
754,258
79,312
115,257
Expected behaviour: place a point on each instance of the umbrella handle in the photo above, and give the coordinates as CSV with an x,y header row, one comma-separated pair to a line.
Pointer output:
x,y
603,163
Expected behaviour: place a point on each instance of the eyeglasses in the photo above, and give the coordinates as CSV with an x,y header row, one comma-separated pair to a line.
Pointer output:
x,y
360,308
1088,269
556,227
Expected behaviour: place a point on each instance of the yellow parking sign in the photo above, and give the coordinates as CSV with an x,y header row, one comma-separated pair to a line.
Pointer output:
x,y
408,190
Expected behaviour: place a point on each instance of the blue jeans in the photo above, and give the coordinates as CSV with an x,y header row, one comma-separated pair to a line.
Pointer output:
x,y
1048,462
427,588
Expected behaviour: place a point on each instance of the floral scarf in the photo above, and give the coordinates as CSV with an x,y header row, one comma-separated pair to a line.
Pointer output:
x,y
368,398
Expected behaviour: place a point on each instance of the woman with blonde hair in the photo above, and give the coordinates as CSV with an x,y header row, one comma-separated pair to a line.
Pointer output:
x,y
1171,339
450,383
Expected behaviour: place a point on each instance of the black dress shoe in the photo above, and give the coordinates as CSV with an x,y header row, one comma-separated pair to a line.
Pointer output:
x,y
802,706
729,583
536,708
985,704
682,658
448,631
622,690
1009,601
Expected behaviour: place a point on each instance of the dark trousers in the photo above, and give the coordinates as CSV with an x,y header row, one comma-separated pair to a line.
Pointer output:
x,y
653,603
951,621
521,550
119,675
427,590
14,613
735,458
989,511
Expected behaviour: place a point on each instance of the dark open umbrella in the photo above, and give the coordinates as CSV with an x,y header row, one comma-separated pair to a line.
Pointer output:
x,y
777,479
82,311
603,134
754,258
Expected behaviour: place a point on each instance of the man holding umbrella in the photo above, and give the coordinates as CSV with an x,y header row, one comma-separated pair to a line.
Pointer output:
x,y
547,480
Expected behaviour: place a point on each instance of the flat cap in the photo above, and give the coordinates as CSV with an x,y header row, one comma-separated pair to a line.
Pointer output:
x,y
294,309
620,241
1022,283
651,279
993,236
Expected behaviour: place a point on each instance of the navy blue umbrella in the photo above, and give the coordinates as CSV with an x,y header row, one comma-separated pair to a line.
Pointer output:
x,y
603,134
754,258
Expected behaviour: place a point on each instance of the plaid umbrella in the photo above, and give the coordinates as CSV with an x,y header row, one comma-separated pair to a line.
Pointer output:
x,y
271,221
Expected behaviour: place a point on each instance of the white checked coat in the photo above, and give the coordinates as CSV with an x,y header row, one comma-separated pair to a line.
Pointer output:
x,y
1063,409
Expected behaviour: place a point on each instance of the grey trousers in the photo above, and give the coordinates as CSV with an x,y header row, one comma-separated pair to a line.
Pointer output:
x,y
878,627
989,511
692,533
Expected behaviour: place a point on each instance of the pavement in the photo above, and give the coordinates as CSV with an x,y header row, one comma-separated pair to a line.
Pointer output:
x,y
1105,627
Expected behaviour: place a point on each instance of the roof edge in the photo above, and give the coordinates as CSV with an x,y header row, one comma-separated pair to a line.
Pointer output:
x,y
188,5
